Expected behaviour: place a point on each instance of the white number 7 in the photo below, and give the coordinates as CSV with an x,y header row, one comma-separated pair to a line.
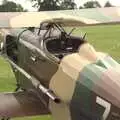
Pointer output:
x,y
106,105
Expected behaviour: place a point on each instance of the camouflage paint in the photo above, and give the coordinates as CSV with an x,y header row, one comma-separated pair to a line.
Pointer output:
x,y
21,104
90,88
82,17
87,82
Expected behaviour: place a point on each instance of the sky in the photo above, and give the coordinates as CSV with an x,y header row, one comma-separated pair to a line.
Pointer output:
x,y
27,5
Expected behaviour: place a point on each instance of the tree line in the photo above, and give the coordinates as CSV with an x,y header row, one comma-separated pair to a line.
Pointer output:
x,y
47,5
95,4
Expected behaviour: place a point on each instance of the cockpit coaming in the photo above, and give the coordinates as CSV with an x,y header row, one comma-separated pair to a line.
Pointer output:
x,y
51,38
56,41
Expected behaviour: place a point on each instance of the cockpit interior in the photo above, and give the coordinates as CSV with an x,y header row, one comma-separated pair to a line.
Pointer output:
x,y
58,42
53,40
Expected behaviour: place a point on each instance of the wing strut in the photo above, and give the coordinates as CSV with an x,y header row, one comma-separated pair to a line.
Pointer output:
x,y
36,82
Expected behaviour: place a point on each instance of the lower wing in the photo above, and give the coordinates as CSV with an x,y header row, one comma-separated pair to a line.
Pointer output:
x,y
21,104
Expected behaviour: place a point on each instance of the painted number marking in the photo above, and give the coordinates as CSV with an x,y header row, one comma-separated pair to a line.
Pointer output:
x,y
106,105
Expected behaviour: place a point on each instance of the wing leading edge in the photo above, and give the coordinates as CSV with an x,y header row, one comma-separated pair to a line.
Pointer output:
x,y
20,104
84,17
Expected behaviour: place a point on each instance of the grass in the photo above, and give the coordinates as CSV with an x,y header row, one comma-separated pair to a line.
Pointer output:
x,y
103,38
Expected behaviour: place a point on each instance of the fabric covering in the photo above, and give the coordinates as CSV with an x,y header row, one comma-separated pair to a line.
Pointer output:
x,y
67,17
90,86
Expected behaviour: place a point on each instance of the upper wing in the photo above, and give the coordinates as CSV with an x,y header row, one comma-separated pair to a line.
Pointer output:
x,y
21,104
83,17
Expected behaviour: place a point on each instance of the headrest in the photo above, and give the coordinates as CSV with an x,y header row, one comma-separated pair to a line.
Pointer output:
x,y
86,50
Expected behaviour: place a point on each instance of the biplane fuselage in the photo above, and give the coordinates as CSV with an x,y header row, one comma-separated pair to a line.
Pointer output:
x,y
59,74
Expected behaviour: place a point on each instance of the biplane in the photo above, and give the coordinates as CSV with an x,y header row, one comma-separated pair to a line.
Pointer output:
x,y
56,72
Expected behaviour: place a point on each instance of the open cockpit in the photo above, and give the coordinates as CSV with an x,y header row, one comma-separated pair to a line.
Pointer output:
x,y
56,41
50,38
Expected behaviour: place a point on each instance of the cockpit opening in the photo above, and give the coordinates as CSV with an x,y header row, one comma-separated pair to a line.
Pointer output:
x,y
61,47
56,41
